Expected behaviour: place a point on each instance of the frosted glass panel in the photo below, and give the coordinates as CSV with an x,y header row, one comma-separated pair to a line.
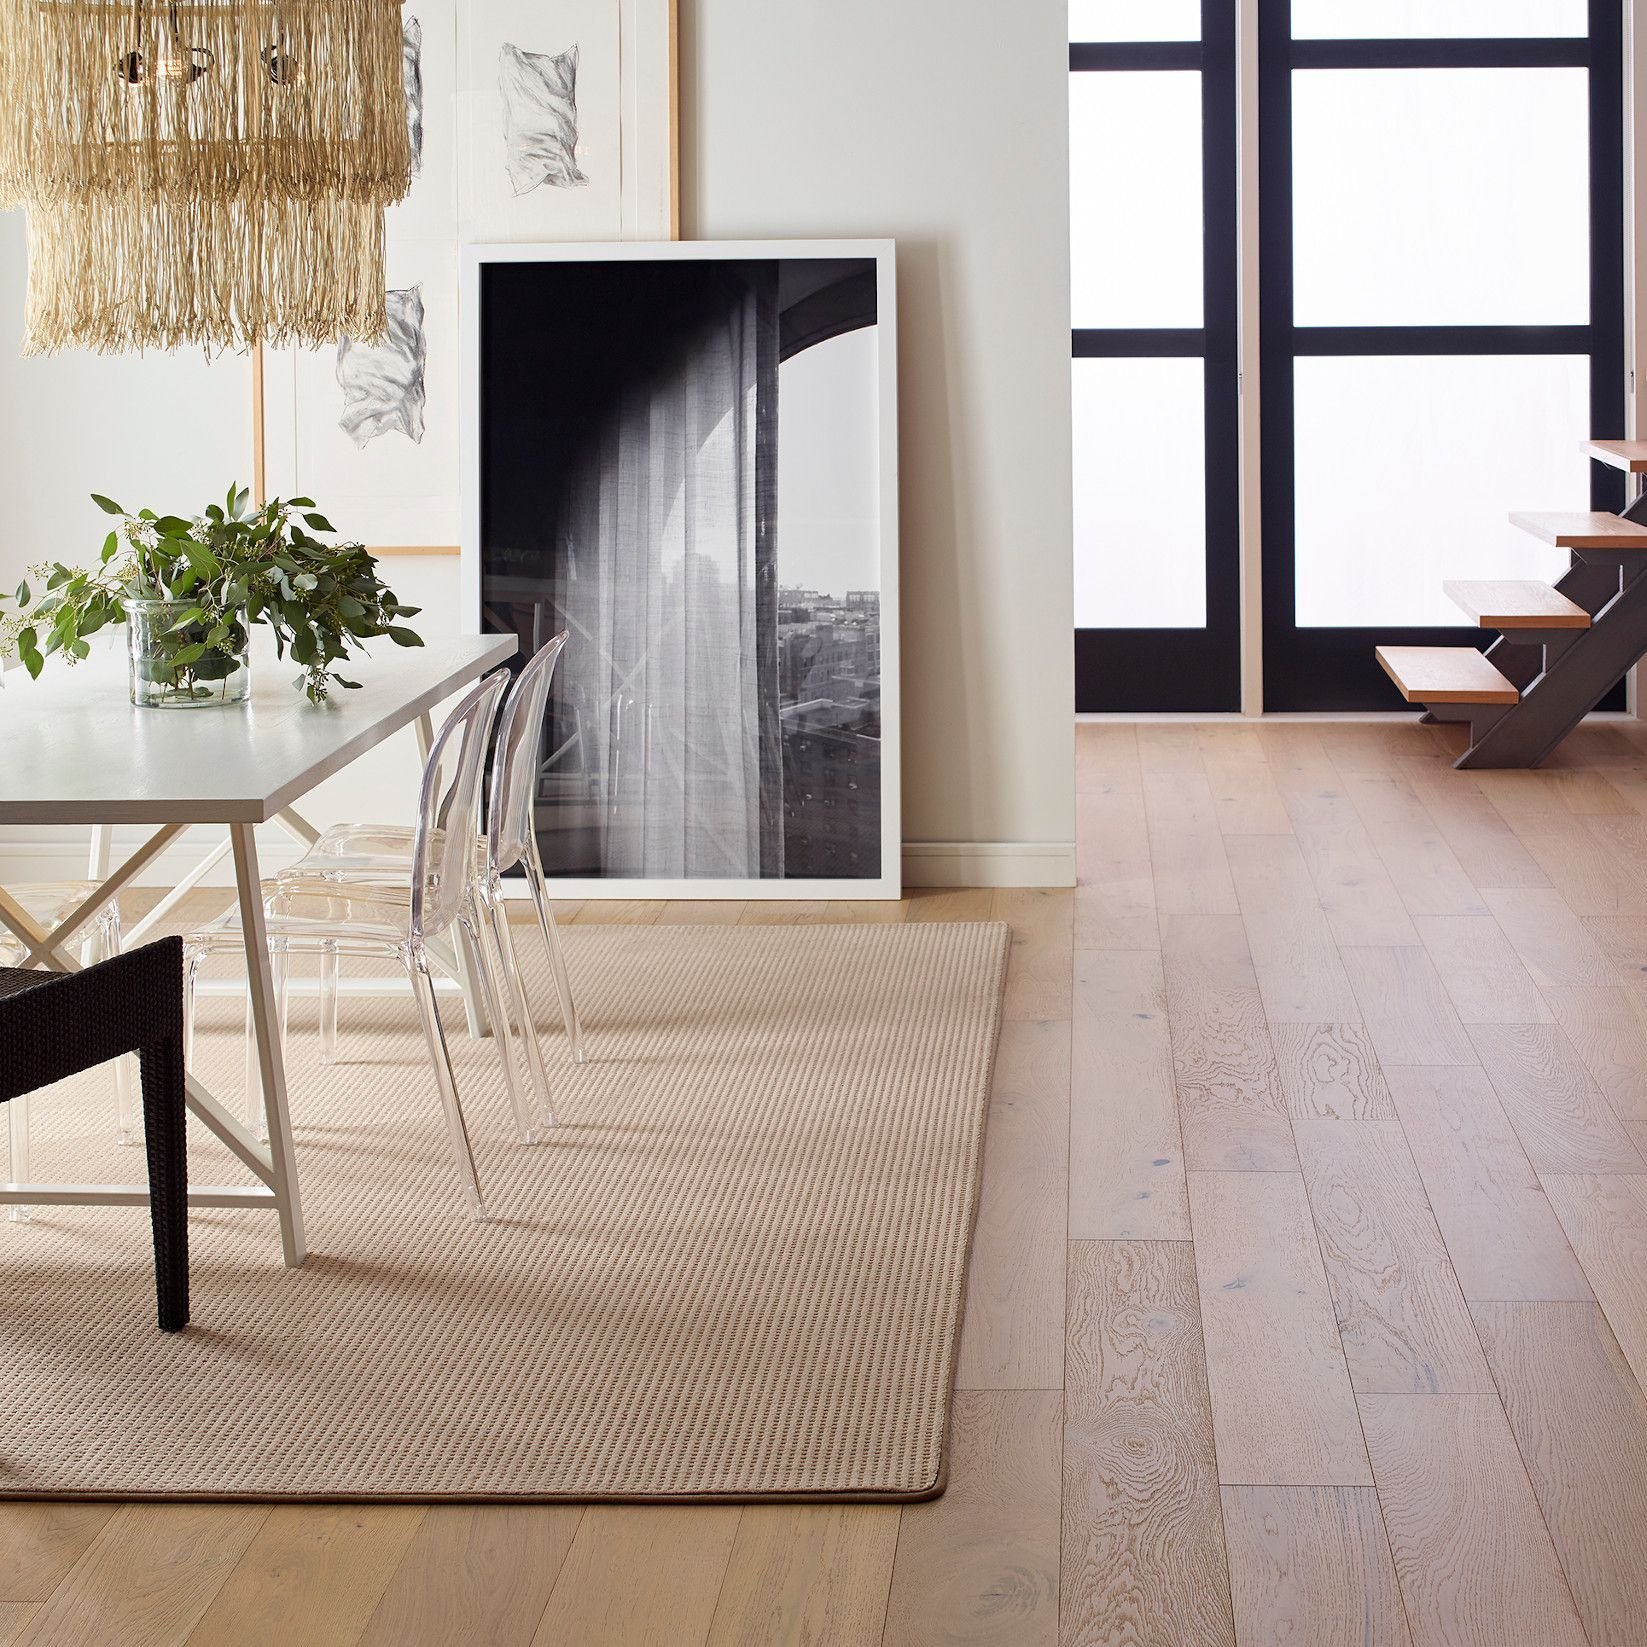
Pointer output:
x,y
1434,197
1140,495
1135,198
1101,20
1430,19
1407,467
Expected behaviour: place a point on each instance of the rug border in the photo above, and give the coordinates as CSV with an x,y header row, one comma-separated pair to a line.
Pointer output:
x,y
915,1495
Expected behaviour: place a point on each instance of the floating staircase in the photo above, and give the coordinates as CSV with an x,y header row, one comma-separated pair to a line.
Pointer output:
x,y
1560,647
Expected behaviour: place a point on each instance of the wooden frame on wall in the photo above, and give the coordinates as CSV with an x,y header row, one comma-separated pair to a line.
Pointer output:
x,y
394,481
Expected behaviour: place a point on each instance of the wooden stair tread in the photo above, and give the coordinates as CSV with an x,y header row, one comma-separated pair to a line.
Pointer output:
x,y
1628,455
1445,674
1583,530
1497,604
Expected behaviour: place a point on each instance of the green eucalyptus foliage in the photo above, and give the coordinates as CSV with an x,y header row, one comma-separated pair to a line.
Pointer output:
x,y
233,566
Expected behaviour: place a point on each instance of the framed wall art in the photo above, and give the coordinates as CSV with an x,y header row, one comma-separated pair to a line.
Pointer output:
x,y
528,122
685,457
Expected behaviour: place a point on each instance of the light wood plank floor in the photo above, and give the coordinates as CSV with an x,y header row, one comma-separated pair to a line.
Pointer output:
x,y
1309,1299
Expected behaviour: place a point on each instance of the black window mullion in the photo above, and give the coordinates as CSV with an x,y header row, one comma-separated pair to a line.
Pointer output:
x,y
1457,53
1125,671
1333,669
1134,55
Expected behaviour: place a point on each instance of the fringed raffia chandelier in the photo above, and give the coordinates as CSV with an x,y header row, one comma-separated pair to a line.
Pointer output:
x,y
202,171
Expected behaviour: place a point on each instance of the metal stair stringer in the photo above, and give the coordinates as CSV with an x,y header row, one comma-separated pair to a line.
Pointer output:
x,y
1562,676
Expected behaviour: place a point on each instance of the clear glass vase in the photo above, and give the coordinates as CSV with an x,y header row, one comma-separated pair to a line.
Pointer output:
x,y
185,664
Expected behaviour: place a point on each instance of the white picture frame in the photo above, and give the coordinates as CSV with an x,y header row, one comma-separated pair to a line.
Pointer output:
x,y
475,260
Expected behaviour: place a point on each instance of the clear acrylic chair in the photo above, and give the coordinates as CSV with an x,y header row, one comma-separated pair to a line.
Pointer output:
x,y
47,903
334,919
378,852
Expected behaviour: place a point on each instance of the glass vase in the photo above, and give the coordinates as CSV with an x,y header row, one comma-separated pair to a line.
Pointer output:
x,y
177,664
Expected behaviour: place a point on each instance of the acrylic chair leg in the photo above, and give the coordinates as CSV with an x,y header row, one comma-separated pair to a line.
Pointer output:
x,y
457,1133
503,941
557,958
328,1004
127,1102
490,969
191,979
257,1112
17,1136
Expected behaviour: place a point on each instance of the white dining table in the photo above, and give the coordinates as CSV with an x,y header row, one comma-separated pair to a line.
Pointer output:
x,y
75,751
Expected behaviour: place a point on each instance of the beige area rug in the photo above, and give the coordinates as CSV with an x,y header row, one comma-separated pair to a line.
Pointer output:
x,y
736,1271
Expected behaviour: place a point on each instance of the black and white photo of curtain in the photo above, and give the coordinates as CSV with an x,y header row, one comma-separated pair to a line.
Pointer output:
x,y
714,716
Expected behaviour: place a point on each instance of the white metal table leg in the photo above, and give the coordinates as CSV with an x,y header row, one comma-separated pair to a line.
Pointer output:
x,y
271,1066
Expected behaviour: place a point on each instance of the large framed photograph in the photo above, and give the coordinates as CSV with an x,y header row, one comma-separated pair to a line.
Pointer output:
x,y
685,457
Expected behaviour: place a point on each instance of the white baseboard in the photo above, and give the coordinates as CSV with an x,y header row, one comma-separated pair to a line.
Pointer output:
x,y
925,863
989,863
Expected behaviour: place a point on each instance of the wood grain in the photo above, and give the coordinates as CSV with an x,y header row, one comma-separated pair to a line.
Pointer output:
x,y
1106,760
1330,1071
979,1566
15,1616
1606,1221
1409,1016
1424,868
1476,1565
1486,847
1480,971
1232,1111
1610,1038
1037,985
807,1573
1311,1565
951,904
1192,876
1280,1419
474,1573
1552,944
1115,883
1143,1550
1126,1168
1245,799
1563,1122
39,1543
314,1573
1580,1421
1354,888
147,1577
1300,975
596,1601
1445,674
1012,1335
1401,1316
1502,1236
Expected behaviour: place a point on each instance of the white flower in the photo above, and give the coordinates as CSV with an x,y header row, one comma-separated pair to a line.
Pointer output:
x,y
201,530
142,533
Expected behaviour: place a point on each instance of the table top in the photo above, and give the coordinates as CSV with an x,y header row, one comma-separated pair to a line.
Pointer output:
x,y
73,748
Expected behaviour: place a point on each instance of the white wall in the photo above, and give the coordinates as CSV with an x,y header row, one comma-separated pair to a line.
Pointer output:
x,y
943,127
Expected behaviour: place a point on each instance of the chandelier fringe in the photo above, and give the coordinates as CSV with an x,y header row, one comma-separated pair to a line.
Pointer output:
x,y
116,275
210,99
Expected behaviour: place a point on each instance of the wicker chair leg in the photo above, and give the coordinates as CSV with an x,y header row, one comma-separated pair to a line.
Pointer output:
x,y
163,1124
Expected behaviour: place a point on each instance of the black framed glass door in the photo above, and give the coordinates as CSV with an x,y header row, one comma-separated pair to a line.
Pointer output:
x,y
1153,373
1442,316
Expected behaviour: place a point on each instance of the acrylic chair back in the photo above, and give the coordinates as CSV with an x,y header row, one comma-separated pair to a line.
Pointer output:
x,y
448,814
517,759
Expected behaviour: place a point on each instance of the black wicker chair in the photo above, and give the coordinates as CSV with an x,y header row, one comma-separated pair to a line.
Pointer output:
x,y
53,1025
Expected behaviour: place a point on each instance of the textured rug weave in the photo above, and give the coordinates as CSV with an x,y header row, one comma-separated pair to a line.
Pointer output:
x,y
735,1270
